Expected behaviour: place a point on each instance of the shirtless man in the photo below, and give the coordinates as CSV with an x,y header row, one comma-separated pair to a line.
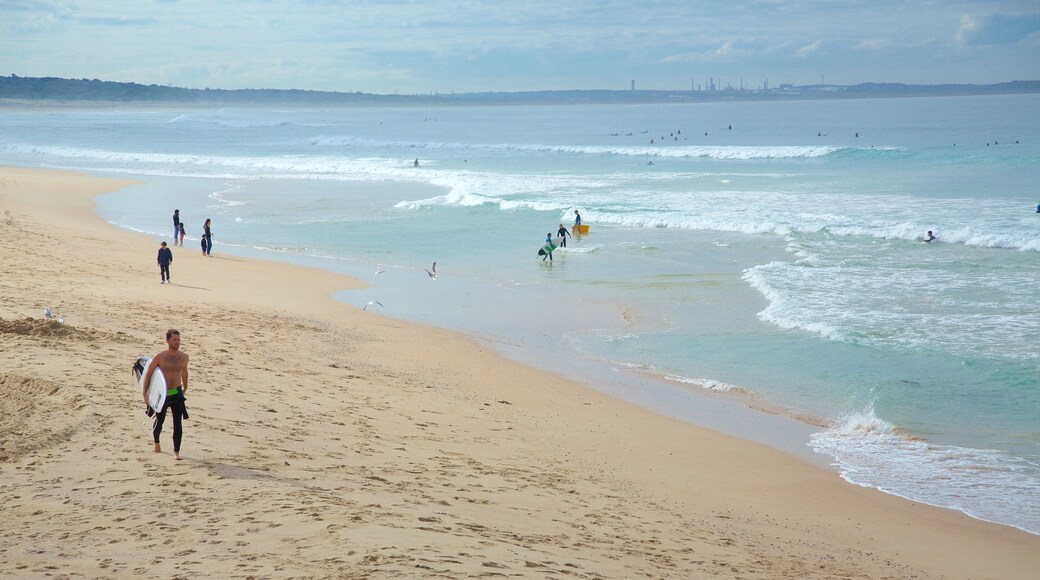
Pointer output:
x,y
174,366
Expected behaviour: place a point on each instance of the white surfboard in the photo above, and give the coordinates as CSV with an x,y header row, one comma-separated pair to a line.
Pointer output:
x,y
156,387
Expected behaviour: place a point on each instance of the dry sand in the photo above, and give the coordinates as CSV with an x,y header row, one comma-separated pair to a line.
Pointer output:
x,y
327,441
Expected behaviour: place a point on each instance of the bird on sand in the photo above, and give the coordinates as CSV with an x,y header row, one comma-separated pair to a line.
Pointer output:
x,y
370,303
432,274
47,312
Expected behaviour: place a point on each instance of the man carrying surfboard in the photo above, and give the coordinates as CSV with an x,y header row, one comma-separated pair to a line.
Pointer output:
x,y
173,364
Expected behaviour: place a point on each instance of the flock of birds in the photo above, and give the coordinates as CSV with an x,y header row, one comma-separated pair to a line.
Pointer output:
x,y
431,272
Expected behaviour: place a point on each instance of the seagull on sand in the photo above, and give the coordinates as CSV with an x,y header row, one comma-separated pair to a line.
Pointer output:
x,y
432,274
61,320
47,312
371,302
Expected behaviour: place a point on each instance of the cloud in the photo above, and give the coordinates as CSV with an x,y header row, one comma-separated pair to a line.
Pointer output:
x,y
996,29
880,43
413,45
728,50
808,49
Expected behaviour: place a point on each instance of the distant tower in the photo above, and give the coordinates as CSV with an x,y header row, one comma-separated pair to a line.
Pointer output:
x,y
633,84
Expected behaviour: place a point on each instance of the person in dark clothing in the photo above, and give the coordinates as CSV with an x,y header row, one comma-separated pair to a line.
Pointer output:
x,y
165,258
207,238
176,225
563,233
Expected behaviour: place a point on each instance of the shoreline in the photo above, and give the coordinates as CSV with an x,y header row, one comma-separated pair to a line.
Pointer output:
x,y
435,446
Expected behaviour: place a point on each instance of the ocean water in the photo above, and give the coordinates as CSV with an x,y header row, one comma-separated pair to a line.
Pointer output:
x,y
766,255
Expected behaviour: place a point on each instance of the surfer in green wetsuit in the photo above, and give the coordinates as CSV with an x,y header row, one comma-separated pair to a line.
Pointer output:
x,y
173,364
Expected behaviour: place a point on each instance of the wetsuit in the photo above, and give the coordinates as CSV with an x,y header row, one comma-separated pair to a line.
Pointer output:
x,y
563,233
175,403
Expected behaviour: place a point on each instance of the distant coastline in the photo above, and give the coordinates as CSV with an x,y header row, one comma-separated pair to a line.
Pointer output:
x,y
51,91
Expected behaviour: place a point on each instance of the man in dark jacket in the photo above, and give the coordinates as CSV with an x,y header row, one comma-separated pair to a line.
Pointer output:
x,y
165,257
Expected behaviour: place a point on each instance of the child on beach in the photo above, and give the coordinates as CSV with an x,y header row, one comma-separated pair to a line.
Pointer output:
x,y
181,233
164,258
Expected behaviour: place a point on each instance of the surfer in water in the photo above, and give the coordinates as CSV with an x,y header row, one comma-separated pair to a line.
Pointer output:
x,y
929,237
563,233
547,249
173,364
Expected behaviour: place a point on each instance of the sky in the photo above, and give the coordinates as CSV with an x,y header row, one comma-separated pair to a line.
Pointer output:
x,y
434,46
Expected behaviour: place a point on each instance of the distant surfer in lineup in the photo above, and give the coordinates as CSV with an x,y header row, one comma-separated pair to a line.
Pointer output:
x,y
173,364
929,237
416,164
563,233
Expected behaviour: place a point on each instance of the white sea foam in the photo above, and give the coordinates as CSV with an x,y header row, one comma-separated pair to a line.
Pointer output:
x,y
228,119
987,315
986,484
710,384
719,152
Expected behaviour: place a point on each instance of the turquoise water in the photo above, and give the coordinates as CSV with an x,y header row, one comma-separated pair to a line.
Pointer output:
x,y
770,250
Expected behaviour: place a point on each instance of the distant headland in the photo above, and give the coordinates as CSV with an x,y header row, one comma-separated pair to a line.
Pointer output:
x,y
15,90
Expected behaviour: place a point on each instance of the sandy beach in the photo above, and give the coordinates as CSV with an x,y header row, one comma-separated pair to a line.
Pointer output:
x,y
325,441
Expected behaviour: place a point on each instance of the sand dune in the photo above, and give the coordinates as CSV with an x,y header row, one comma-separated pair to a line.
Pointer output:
x,y
329,442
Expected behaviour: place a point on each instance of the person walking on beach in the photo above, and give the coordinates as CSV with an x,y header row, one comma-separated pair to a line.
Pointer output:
x,y
563,233
207,238
173,364
176,225
165,258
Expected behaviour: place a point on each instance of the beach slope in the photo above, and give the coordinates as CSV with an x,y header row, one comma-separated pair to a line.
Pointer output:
x,y
327,441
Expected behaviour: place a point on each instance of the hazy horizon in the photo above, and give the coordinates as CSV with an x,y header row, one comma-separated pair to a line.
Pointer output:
x,y
444,47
